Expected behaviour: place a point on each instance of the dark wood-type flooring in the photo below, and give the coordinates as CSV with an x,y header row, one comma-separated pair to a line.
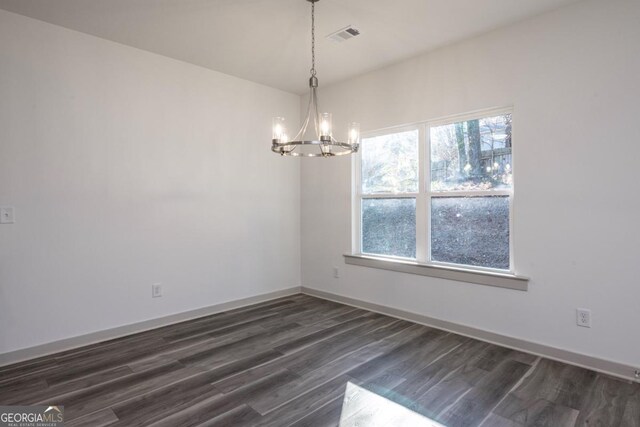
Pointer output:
x,y
287,361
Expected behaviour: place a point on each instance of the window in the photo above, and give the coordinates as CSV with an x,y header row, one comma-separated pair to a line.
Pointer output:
x,y
389,190
438,192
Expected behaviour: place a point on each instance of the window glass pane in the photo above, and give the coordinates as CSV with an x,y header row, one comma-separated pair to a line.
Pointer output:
x,y
389,227
390,163
471,231
472,155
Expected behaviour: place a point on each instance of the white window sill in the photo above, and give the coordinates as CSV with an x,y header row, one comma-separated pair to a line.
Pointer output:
x,y
501,280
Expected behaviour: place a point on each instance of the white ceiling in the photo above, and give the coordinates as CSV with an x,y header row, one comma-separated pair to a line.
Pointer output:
x,y
267,41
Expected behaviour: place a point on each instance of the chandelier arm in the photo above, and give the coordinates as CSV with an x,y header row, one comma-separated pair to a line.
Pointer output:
x,y
316,114
301,132
303,129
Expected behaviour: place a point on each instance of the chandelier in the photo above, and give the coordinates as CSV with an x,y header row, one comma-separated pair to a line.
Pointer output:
x,y
318,141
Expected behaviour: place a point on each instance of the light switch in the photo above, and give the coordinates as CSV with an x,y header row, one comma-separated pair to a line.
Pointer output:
x,y
7,215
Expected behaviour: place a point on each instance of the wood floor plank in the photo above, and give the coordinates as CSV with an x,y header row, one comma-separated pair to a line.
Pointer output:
x,y
320,335
409,334
349,314
220,355
445,393
257,372
494,355
556,382
193,388
441,384
241,379
243,415
185,348
84,355
14,373
78,369
321,353
327,415
150,363
30,397
305,403
102,396
417,353
606,403
153,407
494,420
327,310
310,313
631,416
389,331
228,402
217,320
218,326
327,372
102,418
536,412
459,361
431,347
472,407
204,413
26,377
22,392
214,331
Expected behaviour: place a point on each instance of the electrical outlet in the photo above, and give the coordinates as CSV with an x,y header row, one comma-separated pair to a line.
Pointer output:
x,y
583,317
336,273
637,373
156,290
7,215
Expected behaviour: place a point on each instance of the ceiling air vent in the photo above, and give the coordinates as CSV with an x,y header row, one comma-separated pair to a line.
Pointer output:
x,y
343,34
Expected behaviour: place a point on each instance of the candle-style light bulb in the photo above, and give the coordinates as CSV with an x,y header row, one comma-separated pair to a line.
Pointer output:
x,y
325,127
279,129
354,133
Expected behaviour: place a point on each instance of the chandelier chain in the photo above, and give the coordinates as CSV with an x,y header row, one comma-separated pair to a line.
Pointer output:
x,y
313,39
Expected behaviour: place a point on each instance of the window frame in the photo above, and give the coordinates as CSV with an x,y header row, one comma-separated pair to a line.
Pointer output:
x,y
425,195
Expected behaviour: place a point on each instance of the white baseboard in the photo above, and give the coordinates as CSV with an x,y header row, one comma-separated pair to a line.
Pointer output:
x,y
609,367
120,331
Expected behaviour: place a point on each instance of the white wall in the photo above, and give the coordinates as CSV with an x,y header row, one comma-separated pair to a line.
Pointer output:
x,y
127,168
573,78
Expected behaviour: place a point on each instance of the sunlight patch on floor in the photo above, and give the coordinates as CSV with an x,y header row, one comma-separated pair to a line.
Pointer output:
x,y
364,408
